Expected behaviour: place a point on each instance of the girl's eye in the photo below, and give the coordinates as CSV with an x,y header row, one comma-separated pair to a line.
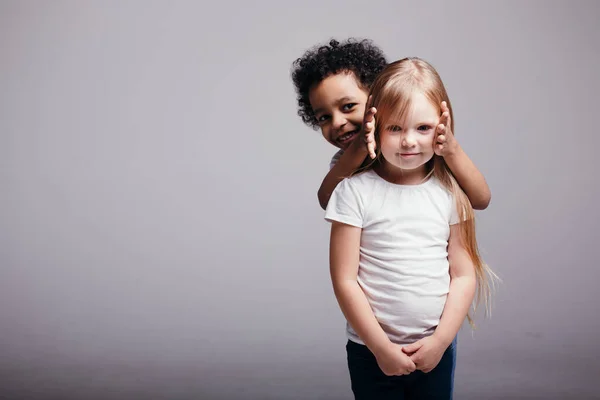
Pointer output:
x,y
394,128
348,107
425,128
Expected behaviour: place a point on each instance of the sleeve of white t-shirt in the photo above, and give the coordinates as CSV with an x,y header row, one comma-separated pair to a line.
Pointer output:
x,y
335,158
345,205
454,217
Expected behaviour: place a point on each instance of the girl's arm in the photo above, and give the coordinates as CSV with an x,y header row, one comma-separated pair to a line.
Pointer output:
x,y
343,260
462,288
469,178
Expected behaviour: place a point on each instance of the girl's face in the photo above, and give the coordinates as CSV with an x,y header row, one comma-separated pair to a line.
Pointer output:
x,y
339,106
407,143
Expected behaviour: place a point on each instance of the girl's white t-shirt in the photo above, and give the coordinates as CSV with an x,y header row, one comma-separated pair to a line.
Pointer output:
x,y
403,268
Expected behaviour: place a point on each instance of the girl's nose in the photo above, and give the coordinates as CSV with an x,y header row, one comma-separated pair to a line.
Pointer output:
x,y
408,140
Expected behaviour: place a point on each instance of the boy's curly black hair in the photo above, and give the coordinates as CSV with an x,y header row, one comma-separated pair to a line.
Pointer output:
x,y
361,57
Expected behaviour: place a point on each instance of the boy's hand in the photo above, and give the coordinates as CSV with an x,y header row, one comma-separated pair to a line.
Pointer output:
x,y
426,353
393,361
445,144
368,128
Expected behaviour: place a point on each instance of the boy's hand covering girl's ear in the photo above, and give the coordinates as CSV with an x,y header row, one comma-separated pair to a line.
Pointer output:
x,y
368,128
445,143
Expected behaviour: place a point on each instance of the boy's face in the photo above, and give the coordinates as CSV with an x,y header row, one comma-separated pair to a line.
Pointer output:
x,y
408,143
339,106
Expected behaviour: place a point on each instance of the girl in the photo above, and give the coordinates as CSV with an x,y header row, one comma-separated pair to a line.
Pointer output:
x,y
332,82
403,255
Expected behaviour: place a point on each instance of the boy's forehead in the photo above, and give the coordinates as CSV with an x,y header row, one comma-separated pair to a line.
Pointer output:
x,y
336,88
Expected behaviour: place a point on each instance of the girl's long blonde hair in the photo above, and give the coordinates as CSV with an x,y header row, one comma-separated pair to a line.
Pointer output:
x,y
391,95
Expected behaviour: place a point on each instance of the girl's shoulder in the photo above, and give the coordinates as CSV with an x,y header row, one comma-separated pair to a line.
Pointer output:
x,y
438,185
438,188
364,179
371,182
361,185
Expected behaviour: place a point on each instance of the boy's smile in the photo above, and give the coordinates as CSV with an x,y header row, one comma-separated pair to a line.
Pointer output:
x,y
339,105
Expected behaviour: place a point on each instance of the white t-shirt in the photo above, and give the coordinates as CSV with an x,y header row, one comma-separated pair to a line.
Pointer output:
x,y
335,158
403,267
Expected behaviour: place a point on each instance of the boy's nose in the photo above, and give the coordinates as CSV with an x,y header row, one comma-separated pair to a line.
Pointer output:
x,y
338,121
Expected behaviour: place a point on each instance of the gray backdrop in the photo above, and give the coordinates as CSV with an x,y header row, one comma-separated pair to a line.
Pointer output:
x,y
160,235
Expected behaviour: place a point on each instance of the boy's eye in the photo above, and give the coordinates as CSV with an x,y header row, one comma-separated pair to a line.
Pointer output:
x,y
394,128
425,128
322,118
348,107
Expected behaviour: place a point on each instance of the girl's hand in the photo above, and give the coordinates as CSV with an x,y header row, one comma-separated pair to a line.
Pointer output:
x,y
426,353
393,361
368,128
445,144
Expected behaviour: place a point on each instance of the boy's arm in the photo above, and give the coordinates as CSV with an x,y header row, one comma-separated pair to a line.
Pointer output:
x,y
469,178
462,288
344,257
352,158
347,164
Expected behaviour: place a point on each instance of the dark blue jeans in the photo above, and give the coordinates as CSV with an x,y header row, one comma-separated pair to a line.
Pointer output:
x,y
369,382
